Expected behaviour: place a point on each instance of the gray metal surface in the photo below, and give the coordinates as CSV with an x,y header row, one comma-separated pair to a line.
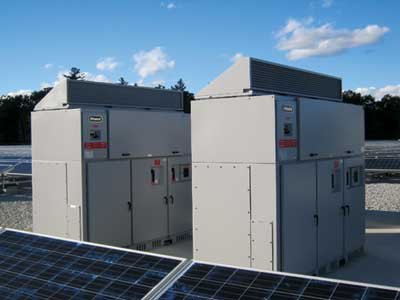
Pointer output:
x,y
221,213
330,212
329,129
49,204
253,76
299,224
234,130
82,93
148,133
149,199
354,199
179,194
109,195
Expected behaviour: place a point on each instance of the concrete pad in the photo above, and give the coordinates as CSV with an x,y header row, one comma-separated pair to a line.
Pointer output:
x,y
380,264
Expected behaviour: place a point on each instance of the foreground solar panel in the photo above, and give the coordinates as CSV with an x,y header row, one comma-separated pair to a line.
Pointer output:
x,y
37,267
382,164
205,281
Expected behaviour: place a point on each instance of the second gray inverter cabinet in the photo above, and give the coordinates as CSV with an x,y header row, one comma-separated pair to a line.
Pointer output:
x,y
278,180
112,165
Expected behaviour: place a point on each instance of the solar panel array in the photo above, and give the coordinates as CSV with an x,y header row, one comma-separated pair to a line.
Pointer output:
x,y
204,281
36,267
382,164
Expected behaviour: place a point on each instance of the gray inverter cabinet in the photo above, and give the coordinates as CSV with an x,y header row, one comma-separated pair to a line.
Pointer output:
x,y
278,180
117,175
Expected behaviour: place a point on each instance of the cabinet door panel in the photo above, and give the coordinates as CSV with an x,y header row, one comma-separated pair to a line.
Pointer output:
x,y
298,210
330,211
109,216
149,201
180,194
354,200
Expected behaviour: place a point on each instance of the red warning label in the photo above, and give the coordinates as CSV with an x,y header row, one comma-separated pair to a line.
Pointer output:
x,y
95,145
289,143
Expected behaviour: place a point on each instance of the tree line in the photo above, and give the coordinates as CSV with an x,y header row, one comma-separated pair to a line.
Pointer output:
x,y
15,110
381,117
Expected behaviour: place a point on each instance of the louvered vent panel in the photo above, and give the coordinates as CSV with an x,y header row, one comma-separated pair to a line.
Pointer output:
x,y
275,78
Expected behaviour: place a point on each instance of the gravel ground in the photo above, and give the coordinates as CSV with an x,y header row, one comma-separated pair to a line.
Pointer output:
x,y
384,196
16,210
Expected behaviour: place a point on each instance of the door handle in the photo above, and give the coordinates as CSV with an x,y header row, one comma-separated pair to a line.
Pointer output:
x,y
129,205
313,154
348,210
343,208
316,219
166,200
171,198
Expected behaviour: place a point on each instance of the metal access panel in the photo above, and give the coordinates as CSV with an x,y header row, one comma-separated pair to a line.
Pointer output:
x,y
234,130
148,133
149,199
299,217
330,210
49,188
179,194
108,193
354,201
218,188
264,218
330,129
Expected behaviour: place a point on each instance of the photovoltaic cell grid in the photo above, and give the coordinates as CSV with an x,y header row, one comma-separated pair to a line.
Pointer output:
x,y
35,267
204,281
24,168
382,163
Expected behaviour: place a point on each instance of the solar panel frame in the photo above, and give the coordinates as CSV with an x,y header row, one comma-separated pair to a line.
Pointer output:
x,y
42,274
269,285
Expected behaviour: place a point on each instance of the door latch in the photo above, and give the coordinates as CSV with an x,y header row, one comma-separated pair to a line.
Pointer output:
x,y
166,200
171,198
129,205
316,219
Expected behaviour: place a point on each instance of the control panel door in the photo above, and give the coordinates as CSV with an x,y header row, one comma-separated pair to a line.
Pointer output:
x,y
179,194
109,214
94,134
299,218
330,210
354,202
150,201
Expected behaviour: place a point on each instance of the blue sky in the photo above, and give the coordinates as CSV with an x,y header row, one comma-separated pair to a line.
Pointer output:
x,y
154,42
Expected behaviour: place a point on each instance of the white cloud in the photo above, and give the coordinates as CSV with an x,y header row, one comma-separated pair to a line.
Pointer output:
x,y
327,3
20,93
378,93
300,39
236,57
169,5
48,66
107,64
148,63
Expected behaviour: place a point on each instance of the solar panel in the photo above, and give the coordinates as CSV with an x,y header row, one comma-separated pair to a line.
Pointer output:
x,y
205,281
4,167
37,267
382,163
24,168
